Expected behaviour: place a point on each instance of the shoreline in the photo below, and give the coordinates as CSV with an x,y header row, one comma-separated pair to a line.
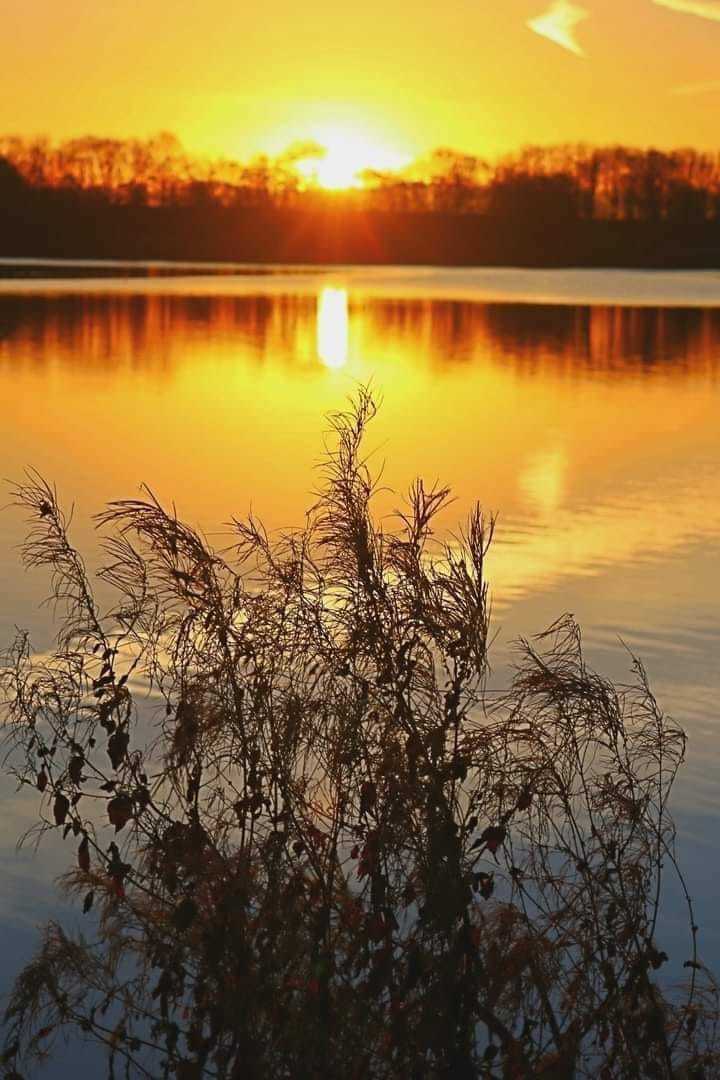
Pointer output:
x,y
262,237
681,289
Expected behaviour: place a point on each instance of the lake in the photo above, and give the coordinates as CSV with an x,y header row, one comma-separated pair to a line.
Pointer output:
x,y
580,406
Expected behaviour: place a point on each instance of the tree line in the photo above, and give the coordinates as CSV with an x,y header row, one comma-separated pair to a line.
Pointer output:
x,y
562,183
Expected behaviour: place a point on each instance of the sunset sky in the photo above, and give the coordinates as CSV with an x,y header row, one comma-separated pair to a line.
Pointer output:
x,y
236,78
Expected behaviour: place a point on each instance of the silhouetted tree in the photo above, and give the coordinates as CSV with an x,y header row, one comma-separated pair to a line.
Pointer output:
x,y
13,187
560,183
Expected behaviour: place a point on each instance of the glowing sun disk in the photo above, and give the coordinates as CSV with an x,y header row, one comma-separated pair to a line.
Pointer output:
x,y
345,155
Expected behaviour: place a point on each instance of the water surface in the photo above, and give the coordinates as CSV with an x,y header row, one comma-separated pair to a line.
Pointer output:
x,y
589,424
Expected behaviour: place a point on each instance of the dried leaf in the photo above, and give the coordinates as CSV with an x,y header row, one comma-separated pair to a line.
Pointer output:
x,y
117,747
120,811
83,855
184,914
116,884
493,837
525,800
75,768
60,808
368,797
485,884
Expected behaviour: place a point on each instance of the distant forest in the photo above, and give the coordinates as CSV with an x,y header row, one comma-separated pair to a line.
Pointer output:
x,y
613,183
150,199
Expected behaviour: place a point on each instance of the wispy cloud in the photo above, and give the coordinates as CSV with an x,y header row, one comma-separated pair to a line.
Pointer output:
x,y
695,89
558,25
705,9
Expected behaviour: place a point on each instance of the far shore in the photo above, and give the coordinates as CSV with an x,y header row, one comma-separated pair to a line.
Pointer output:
x,y
271,235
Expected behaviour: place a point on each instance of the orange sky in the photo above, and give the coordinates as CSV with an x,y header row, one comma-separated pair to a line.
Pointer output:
x,y
236,78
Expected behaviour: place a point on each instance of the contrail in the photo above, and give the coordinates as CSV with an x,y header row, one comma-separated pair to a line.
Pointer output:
x,y
558,24
705,9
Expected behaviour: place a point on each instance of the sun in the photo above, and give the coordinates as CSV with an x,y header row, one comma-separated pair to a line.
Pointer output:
x,y
344,155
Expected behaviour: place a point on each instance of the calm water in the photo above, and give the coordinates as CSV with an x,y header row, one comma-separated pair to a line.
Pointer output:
x,y
591,428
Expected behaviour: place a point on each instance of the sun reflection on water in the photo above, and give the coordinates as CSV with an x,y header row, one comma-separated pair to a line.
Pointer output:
x,y
333,327
543,480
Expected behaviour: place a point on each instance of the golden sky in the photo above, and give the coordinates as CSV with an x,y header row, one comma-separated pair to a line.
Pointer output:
x,y
484,76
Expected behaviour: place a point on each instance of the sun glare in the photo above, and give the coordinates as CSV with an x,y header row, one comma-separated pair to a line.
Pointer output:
x,y
345,155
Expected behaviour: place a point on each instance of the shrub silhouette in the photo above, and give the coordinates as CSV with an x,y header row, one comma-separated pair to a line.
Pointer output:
x,y
329,850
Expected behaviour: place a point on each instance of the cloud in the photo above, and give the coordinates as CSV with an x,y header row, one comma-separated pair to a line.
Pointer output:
x,y
705,9
693,89
558,24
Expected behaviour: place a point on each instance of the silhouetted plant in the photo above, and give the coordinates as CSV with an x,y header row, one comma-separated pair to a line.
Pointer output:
x,y
313,843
